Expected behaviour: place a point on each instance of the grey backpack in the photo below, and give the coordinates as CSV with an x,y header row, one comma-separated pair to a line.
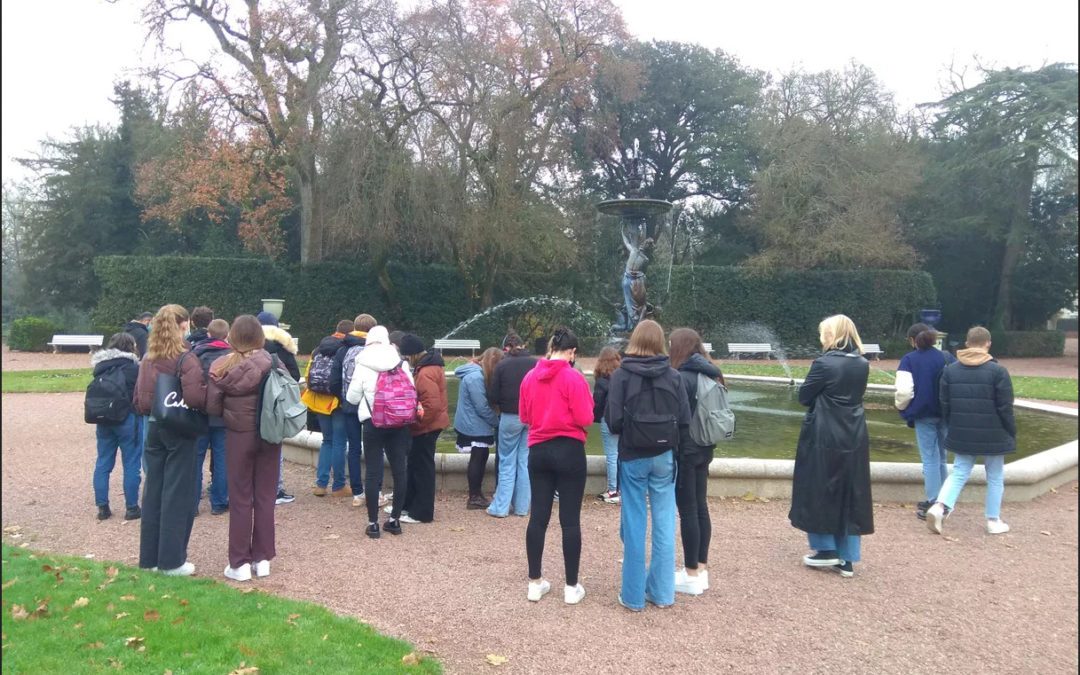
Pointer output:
x,y
281,412
713,420
348,366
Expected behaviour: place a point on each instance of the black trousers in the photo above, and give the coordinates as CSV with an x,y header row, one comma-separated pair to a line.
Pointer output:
x,y
478,459
167,509
556,465
691,498
394,445
420,478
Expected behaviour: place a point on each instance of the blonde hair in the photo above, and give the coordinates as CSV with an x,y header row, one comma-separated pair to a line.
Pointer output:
x,y
245,336
166,340
646,340
839,332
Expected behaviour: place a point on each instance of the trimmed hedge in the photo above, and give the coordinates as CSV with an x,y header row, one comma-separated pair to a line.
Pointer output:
x,y
31,334
1016,343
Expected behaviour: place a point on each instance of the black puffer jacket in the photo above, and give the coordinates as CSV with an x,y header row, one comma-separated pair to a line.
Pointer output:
x,y
599,397
688,371
977,405
504,393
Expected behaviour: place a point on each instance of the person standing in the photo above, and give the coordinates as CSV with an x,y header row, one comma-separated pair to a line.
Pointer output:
x,y
139,329
917,399
319,397
557,407
429,372
606,364
830,492
119,356
233,393
209,349
647,406
688,356
201,317
379,357
475,421
977,407
279,343
169,457
512,492
340,378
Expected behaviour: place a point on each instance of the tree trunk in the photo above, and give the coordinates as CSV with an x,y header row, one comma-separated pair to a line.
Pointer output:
x,y
310,222
1016,241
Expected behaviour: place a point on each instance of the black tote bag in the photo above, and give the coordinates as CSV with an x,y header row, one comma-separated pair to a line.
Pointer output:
x,y
169,409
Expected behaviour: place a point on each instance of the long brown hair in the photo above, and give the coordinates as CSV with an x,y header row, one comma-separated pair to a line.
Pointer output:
x,y
245,336
646,340
684,343
488,360
607,363
166,340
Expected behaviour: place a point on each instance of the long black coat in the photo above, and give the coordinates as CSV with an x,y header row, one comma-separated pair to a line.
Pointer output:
x,y
831,489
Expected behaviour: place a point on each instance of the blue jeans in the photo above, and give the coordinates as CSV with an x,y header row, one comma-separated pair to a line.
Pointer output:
x,y
354,434
332,450
128,437
930,435
654,477
611,454
513,488
995,482
219,485
849,548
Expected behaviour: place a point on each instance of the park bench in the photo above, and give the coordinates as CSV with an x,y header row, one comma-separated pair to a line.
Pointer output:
x,y
736,348
91,341
458,345
872,349
708,347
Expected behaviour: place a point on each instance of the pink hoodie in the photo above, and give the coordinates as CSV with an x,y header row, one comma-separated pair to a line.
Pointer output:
x,y
555,401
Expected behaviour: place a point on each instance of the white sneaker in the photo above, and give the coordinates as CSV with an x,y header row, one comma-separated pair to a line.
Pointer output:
x,y
538,589
262,568
185,570
684,583
242,573
935,517
573,594
358,500
703,579
406,518
389,508
997,526
385,499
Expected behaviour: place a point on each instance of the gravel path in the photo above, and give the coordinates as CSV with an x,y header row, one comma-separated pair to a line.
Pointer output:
x,y
966,603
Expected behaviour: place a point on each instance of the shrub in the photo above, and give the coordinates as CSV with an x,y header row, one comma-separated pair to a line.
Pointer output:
x,y
1031,343
31,334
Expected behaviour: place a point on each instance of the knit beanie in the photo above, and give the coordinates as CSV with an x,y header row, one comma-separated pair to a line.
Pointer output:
x,y
411,344
267,319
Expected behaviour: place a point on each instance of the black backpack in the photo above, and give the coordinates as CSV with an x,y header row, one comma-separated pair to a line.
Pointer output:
x,y
651,418
107,401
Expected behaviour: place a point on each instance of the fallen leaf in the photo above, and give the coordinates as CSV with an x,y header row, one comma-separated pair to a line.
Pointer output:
x,y
46,568
95,645
12,529
332,536
89,556
78,625
25,544
127,598
81,602
325,636
457,529
121,615
151,588
749,497
9,584
184,603
134,642
294,616
496,660
179,620
1045,532
18,612
244,669
111,572
151,615
166,596
948,538
411,659
41,610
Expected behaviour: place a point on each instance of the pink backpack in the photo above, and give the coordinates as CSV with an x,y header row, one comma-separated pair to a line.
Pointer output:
x,y
395,400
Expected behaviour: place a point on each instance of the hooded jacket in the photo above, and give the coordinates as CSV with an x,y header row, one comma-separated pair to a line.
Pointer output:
x,y
474,415
279,343
917,379
505,389
106,359
976,397
140,333
689,371
198,336
555,402
430,377
321,402
192,381
337,384
627,381
208,351
234,396
377,357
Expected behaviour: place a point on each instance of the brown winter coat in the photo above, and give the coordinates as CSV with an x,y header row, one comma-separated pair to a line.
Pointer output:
x,y
431,390
192,381
234,396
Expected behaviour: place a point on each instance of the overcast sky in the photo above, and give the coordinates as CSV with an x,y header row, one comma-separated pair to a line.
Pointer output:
x,y
60,57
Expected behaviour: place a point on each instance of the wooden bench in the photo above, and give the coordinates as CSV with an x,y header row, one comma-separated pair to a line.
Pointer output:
x,y
458,345
91,341
736,348
872,349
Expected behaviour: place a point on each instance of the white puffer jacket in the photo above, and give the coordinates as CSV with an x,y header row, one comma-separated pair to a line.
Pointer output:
x,y
378,356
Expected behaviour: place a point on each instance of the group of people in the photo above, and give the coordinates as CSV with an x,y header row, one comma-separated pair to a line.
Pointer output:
x,y
536,412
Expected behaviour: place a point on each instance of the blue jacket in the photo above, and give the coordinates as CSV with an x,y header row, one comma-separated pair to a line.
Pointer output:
x,y
917,383
473,416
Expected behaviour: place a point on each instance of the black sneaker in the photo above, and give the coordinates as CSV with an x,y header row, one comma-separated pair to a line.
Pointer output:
x,y
218,510
104,512
392,526
921,508
133,513
846,569
284,498
821,559
373,531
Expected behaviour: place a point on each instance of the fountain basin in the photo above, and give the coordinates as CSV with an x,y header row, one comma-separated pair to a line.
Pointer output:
x,y
634,207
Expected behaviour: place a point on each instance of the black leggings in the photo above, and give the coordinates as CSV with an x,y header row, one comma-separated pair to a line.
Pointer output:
x,y
691,498
478,459
395,444
556,465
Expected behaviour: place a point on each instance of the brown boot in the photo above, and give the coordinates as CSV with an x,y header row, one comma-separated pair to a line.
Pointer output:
x,y
344,491
320,491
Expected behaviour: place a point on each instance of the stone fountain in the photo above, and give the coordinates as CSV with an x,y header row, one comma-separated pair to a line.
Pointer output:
x,y
640,221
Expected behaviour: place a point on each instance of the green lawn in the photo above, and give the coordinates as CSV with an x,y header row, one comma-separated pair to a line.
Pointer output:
x,y
46,381
63,614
